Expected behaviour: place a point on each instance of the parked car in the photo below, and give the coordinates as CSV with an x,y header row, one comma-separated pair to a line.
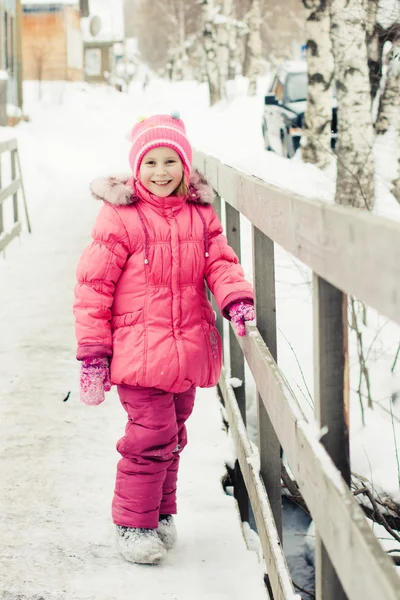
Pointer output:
x,y
285,105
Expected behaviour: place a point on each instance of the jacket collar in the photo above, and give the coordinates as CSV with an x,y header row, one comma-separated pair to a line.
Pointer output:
x,y
119,190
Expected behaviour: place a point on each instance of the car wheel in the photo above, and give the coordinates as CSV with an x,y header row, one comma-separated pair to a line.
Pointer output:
x,y
265,136
284,148
287,145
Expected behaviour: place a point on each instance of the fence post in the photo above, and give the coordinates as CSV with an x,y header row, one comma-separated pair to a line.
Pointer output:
x,y
331,406
14,176
237,361
220,320
1,204
265,300
3,100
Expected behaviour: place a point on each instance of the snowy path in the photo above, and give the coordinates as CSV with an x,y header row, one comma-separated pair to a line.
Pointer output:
x,y
58,458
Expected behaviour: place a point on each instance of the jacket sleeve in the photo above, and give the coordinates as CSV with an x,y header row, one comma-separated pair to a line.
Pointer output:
x,y
98,271
223,273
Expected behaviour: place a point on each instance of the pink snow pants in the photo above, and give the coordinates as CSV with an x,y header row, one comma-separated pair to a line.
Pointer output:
x,y
154,437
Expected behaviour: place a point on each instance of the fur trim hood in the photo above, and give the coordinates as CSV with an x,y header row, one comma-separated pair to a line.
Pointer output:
x,y
118,190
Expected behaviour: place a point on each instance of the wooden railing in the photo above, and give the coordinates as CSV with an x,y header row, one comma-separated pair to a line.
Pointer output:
x,y
349,252
14,228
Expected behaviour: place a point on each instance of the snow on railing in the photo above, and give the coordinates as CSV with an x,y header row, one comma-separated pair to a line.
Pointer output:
x,y
335,242
11,224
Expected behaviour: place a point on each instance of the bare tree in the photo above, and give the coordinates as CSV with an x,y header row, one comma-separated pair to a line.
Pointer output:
x,y
209,40
389,106
165,30
318,116
254,46
224,33
378,33
40,55
355,165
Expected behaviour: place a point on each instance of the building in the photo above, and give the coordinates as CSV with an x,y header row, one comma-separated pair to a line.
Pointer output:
x,y
103,37
11,54
52,41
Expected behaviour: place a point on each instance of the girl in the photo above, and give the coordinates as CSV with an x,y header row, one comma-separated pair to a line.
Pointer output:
x,y
144,322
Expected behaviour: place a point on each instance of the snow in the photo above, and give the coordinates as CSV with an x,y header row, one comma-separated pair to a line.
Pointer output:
x,y
388,12
75,134
7,133
58,457
13,111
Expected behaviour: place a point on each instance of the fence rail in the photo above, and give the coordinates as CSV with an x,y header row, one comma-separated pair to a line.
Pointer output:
x,y
349,252
11,191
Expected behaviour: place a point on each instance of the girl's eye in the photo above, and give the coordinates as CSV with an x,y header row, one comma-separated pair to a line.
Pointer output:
x,y
171,162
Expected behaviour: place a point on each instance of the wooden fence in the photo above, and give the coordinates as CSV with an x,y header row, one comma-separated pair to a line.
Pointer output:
x,y
349,252
11,191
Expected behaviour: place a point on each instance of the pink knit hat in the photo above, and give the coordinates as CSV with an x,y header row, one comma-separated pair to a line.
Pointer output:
x,y
160,130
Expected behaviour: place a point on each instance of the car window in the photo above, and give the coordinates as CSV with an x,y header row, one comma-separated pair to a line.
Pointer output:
x,y
296,87
278,89
272,88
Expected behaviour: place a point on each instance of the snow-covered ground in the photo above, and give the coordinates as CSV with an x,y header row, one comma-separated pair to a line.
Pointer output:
x,y
76,134
58,457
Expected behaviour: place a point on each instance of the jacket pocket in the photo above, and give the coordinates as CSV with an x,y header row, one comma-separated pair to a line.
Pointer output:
x,y
127,319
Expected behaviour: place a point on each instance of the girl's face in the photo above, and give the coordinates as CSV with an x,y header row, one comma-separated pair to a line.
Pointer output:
x,y
161,171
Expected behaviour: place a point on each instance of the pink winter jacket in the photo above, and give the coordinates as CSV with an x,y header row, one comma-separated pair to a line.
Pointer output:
x,y
141,295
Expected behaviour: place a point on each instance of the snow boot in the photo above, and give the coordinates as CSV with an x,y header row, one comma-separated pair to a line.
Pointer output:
x,y
167,531
140,545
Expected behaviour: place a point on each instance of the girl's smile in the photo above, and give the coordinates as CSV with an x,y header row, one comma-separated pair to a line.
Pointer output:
x,y
161,171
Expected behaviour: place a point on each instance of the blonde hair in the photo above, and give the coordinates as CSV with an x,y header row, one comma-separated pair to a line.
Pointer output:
x,y
183,187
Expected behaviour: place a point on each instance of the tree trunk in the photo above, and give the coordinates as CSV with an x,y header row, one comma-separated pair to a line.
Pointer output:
x,y
318,116
374,47
254,48
396,182
224,33
355,165
233,45
389,105
210,49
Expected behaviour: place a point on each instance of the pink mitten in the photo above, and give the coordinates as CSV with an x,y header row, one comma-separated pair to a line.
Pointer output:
x,y
94,380
240,312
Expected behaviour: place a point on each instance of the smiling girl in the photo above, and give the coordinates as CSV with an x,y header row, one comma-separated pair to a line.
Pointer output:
x,y
144,322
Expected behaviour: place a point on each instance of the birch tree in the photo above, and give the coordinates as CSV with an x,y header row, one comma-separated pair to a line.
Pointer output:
x,y
318,116
383,25
224,29
209,40
355,166
374,47
389,107
254,46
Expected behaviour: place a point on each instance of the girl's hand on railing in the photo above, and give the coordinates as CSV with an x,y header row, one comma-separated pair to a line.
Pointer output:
x,y
240,312
94,380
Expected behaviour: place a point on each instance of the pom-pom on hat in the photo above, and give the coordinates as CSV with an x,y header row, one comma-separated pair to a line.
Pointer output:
x,y
160,130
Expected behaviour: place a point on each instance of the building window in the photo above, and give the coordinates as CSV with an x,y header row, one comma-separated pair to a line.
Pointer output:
x,y
93,62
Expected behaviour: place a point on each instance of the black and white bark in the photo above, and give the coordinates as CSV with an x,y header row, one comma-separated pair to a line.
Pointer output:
x,y
234,61
210,47
254,47
355,164
224,28
374,46
389,107
318,116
